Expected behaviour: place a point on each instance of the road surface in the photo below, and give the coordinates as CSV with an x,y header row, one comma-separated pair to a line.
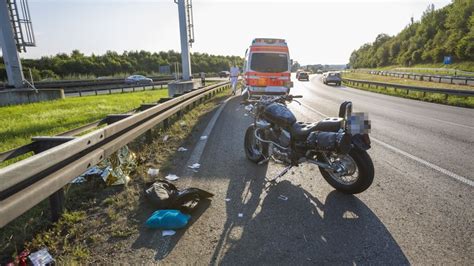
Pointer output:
x,y
418,210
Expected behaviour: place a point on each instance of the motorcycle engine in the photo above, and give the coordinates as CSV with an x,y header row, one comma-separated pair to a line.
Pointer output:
x,y
281,147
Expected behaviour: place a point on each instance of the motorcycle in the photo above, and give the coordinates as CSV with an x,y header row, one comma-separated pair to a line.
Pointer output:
x,y
337,145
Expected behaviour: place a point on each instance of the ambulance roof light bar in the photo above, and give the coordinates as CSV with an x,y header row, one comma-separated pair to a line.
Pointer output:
x,y
269,41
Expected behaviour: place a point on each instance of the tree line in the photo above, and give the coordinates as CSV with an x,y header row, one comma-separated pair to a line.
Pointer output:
x,y
112,63
448,31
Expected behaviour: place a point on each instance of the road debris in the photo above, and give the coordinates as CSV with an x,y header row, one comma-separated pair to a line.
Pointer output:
x,y
41,257
182,149
114,170
182,123
153,172
282,197
163,194
168,233
195,166
240,215
165,138
227,199
203,137
171,177
167,219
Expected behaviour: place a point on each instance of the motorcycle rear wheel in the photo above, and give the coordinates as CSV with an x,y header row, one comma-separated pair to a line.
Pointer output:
x,y
361,168
255,150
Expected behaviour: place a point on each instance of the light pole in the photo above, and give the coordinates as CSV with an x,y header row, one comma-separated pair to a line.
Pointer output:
x,y
186,35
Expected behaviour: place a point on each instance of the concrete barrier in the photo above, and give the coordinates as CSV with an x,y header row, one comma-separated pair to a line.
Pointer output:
x,y
180,86
21,96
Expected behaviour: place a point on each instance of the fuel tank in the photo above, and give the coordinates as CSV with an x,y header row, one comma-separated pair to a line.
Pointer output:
x,y
279,114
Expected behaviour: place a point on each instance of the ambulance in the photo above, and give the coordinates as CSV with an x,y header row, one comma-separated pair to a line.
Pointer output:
x,y
267,68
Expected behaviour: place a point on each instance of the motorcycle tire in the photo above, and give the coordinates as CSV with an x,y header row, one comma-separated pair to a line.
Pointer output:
x,y
365,178
252,151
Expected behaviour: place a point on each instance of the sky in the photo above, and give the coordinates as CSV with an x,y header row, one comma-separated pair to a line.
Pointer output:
x,y
317,32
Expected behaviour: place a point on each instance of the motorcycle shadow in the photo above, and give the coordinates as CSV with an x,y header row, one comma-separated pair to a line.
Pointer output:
x,y
304,230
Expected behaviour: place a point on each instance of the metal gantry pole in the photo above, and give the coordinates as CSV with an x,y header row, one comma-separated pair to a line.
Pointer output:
x,y
9,48
183,29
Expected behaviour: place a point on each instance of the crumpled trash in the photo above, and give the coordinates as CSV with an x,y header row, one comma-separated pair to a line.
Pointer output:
x,y
167,219
164,195
182,123
41,257
165,138
194,166
114,170
181,149
171,177
153,172
240,215
203,137
168,233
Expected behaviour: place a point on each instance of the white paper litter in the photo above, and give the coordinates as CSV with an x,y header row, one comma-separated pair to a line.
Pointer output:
x,y
168,232
182,123
165,138
283,197
41,257
181,149
171,177
241,215
194,166
153,172
203,137
246,114
227,199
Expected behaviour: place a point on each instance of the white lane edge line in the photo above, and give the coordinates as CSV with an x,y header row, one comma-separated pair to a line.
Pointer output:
x,y
201,144
413,157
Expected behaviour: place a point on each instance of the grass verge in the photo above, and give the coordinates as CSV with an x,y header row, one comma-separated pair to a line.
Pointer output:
x,y
21,122
436,69
99,217
404,81
428,97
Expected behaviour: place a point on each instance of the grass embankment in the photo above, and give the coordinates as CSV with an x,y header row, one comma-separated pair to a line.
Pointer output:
x,y
429,97
21,122
100,217
435,69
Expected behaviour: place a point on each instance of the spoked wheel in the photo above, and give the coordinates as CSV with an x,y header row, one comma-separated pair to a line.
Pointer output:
x,y
355,174
255,150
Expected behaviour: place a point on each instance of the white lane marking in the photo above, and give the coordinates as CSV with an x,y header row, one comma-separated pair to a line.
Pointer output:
x,y
426,163
199,149
413,157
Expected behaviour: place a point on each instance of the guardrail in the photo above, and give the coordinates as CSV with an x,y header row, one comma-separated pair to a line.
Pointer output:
x,y
119,88
446,92
60,159
460,80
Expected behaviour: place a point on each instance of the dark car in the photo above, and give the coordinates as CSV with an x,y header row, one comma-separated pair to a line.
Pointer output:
x,y
138,79
224,74
332,77
303,76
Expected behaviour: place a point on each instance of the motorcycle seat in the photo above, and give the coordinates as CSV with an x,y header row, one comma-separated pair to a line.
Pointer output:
x,y
301,130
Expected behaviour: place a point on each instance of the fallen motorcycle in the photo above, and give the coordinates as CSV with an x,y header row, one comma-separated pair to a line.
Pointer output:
x,y
337,145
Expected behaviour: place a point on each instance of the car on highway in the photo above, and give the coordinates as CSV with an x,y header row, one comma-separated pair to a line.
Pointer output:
x,y
332,77
303,76
224,74
138,79
267,68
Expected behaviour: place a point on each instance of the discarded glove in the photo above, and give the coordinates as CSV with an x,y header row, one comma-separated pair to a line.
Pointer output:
x,y
167,219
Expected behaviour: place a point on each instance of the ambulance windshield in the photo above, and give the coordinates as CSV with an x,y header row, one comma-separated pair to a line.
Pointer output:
x,y
269,62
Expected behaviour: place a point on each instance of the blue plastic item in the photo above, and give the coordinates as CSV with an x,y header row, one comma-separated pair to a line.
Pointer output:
x,y
167,219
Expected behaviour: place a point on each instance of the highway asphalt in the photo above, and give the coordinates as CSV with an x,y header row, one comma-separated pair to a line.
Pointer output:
x,y
418,210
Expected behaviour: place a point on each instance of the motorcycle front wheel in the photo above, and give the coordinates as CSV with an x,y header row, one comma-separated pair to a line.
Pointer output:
x,y
358,173
255,150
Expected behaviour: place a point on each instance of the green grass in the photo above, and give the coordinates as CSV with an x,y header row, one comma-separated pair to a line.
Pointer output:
x,y
448,69
428,97
404,81
21,122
